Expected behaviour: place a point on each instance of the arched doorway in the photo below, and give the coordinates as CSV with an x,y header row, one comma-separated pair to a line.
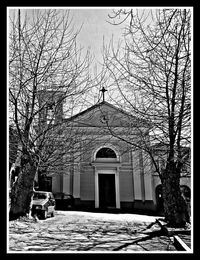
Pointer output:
x,y
106,162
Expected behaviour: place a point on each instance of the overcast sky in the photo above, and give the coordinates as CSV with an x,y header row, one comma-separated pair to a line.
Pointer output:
x,y
95,27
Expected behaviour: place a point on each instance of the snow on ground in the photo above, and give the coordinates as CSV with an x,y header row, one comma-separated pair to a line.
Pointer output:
x,y
114,217
87,231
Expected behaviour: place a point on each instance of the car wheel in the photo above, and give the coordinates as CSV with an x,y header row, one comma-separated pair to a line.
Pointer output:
x,y
44,214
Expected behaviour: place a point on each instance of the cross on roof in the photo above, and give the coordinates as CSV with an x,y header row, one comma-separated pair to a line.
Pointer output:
x,y
103,90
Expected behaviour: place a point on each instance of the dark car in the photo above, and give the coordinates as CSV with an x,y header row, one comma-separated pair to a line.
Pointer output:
x,y
64,201
43,204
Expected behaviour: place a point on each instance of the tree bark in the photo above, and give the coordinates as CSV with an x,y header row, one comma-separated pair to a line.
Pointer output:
x,y
21,191
175,208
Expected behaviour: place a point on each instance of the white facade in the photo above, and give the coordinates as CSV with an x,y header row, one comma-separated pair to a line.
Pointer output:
x,y
124,180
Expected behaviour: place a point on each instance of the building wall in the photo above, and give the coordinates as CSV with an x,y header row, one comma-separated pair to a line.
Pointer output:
x,y
87,184
135,183
137,176
66,183
76,182
137,180
126,184
56,183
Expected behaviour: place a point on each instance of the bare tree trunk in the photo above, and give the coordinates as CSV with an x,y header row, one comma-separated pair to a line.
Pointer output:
x,y
175,208
21,191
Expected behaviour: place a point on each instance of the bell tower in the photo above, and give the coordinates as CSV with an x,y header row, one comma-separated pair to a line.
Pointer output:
x,y
50,107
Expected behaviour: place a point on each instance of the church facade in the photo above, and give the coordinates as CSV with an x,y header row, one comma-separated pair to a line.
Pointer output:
x,y
105,171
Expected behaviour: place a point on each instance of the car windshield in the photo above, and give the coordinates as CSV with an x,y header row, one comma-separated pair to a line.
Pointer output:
x,y
39,196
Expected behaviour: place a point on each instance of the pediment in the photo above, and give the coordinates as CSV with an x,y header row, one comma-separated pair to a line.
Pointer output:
x,y
103,114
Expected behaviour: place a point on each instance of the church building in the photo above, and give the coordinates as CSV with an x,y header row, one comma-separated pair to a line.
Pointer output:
x,y
106,171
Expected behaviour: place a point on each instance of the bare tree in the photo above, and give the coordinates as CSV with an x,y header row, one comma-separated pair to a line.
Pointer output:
x,y
47,74
151,72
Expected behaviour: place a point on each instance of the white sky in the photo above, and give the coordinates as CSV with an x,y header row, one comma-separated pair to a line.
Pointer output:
x,y
95,27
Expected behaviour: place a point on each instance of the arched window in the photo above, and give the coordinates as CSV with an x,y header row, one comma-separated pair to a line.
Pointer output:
x,y
106,153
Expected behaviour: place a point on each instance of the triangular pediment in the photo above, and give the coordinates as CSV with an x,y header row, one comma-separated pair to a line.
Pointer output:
x,y
103,114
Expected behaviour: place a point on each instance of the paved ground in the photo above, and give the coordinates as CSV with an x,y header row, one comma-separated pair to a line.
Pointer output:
x,y
186,239
76,231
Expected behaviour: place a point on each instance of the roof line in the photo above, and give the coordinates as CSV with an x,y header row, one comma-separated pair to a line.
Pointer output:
x,y
94,106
